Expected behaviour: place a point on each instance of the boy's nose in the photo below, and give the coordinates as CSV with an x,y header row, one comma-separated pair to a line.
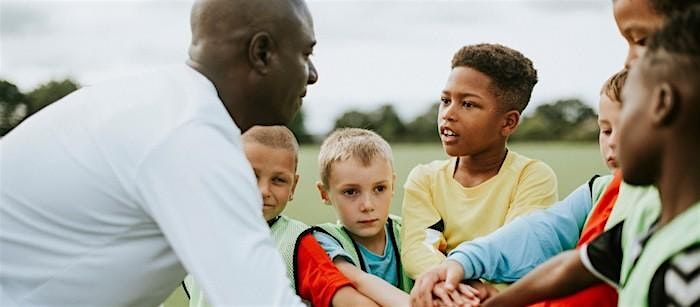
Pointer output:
x,y
264,190
447,113
366,205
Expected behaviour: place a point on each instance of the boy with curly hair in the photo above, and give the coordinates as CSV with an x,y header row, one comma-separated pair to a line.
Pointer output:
x,y
483,184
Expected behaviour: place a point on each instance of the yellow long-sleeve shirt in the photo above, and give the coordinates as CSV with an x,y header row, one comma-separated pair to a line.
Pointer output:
x,y
439,213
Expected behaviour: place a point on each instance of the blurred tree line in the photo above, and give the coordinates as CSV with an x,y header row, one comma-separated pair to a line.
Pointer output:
x,y
15,106
561,120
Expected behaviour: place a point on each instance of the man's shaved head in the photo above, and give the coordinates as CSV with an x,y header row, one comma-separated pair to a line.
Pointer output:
x,y
252,49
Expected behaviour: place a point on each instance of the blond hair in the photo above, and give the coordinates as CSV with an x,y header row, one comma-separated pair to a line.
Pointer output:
x,y
279,137
613,86
346,143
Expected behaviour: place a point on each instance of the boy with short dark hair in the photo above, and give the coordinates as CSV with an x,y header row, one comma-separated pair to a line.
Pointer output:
x,y
654,255
484,184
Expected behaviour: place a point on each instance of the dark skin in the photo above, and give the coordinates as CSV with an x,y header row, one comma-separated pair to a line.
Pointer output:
x,y
256,55
670,114
471,109
658,145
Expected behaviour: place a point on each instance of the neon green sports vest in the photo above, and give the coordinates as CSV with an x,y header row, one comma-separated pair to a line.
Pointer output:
x,y
666,242
341,235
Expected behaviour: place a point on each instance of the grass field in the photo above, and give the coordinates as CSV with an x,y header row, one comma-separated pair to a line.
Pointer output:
x,y
574,163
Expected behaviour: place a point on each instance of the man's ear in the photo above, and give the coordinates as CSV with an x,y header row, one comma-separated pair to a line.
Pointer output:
x,y
260,52
510,122
322,191
665,104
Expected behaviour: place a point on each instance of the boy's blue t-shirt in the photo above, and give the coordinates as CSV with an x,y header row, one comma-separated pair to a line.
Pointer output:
x,y
383,266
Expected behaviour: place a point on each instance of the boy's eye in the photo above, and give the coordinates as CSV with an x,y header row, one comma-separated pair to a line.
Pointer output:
x,y
350,192
467,104
606,131
380,188
279,180
641,42
445,100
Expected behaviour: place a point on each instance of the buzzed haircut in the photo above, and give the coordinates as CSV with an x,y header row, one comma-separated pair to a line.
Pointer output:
x,y
612,88
679,36
511,73
346,143
279,137
670,7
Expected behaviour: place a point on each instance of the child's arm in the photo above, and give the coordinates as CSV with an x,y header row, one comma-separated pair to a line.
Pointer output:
x,y
374,287
422,241
562,275
516,248
350,297
572,271
319,280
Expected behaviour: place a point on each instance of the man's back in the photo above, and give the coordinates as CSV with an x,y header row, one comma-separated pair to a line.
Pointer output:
x,y
92,193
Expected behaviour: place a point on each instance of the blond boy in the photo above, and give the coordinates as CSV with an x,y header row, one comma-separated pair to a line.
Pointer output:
x,y
357,179
273,153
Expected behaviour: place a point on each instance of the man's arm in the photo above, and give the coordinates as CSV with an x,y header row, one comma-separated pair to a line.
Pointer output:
x,y
422,241
200,190
513,250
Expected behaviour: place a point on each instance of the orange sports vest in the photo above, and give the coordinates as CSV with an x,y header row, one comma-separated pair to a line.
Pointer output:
x,y
602,294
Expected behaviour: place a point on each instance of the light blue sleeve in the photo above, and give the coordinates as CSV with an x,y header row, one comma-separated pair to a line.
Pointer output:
x,y
331,246
515,249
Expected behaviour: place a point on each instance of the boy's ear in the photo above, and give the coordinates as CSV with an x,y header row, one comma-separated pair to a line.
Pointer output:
x,y
260,51
294,186
665,104
322,191
510,122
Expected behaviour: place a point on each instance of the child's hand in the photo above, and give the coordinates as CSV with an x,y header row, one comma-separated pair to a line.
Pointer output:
x,y
484,291
464,295
449,272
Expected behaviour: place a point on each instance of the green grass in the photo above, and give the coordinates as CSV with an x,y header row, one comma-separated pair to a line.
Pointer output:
x,y
574,163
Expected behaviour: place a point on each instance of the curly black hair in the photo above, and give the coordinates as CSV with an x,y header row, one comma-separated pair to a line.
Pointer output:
x,y
511,73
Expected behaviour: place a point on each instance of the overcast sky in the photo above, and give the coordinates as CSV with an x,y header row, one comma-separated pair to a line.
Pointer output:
x,y
368,52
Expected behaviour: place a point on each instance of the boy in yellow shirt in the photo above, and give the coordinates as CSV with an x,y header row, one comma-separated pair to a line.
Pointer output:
x,y
483,185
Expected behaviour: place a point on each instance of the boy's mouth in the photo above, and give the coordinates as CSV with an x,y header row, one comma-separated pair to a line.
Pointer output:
x,y
369,221
447,135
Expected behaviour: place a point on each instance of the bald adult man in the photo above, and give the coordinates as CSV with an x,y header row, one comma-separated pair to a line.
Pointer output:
x,y
107,193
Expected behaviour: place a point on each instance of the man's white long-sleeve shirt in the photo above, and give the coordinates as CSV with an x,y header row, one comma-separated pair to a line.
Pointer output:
x,y
111,194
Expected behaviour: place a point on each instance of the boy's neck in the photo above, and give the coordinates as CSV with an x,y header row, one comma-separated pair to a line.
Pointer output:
x,y
475,169
375,244
679,181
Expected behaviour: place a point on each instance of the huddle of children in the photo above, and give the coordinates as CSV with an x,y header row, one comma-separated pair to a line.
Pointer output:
x,y
453,210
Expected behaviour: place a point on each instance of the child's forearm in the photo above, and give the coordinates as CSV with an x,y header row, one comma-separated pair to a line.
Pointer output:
x,y
372,286
349,297
561,275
